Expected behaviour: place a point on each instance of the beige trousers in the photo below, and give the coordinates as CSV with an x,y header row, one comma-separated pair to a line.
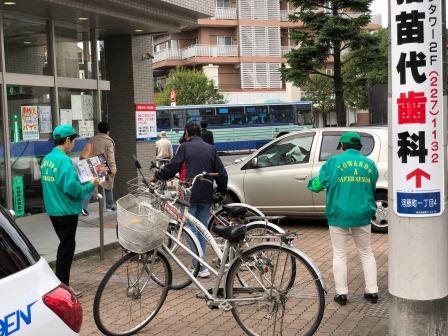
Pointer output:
x,y
361,236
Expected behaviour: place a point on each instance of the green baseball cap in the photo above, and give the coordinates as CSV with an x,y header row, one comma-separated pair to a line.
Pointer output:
x,y
351,138
63,131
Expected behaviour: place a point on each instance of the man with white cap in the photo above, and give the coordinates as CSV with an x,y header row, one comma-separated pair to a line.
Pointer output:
x,y
164,149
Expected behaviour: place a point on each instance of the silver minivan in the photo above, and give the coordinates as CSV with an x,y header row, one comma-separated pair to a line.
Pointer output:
x,y
275,177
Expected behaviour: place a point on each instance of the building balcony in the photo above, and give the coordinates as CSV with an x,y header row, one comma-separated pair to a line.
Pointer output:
x,y
206,50
198,50
225,13
167,54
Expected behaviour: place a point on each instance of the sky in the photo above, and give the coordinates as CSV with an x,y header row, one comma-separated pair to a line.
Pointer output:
x,y
381,7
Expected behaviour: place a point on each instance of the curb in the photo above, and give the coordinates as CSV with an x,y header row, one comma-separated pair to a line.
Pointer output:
x,y
88,253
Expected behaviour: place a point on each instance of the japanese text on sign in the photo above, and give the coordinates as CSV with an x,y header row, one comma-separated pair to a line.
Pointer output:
x,y
146,124
417,107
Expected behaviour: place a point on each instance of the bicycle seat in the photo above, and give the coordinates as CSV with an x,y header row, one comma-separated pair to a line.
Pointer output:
x,y
233,234
234,211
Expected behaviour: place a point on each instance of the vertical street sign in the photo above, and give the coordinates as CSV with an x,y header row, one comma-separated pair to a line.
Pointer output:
x,y
417,107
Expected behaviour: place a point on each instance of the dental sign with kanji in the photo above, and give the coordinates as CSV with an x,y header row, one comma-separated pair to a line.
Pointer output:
x,y
417,107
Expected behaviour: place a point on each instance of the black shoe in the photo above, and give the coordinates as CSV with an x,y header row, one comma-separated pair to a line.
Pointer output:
x,y
341,299
371,297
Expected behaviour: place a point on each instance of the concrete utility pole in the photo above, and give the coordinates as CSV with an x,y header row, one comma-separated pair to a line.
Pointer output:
x,y
418,230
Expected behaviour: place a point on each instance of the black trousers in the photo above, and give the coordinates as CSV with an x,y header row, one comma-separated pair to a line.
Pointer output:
x,y
65,227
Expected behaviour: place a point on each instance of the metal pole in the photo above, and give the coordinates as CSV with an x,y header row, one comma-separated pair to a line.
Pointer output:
x,y
101,214
418,230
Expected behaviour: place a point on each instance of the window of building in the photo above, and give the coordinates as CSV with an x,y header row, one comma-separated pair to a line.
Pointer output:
x,y
26,46
31,124
101,59
224,40
76,107
222,3
73,51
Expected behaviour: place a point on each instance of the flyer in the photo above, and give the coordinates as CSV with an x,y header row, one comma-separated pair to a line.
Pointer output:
x,y
30,122
45,119
76,103
66,116
86,128
92,168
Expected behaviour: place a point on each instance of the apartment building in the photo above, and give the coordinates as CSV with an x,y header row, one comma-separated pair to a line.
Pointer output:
x,y
242,48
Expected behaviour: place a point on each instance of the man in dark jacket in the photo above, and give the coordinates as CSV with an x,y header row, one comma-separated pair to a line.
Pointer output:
x,y
197,156
206,135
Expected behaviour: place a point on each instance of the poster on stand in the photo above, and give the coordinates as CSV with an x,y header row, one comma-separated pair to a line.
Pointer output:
x,y
30,122
45,119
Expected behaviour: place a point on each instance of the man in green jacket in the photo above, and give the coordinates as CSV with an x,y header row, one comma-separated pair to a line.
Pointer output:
x,y
350,181
63,193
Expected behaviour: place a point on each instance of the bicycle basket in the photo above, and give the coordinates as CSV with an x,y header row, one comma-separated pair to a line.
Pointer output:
x,y
141,227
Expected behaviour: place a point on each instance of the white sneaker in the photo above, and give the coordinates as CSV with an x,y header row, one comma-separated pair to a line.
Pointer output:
x,y
205,273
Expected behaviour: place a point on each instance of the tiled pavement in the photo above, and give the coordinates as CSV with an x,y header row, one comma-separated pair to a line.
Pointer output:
x,y
184,314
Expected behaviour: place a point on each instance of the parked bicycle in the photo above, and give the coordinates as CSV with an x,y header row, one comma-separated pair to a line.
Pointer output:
x,y
259,227
271,288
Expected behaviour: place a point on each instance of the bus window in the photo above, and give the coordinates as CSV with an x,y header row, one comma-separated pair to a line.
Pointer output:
x,y
237,115
193,116
281,114
257,114
163,120
178,119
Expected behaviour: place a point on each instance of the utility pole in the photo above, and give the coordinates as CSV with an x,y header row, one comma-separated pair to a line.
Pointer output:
x,y
418,230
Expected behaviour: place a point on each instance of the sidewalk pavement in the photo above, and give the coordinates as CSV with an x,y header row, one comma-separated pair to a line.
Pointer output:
x,y
184,314
40,232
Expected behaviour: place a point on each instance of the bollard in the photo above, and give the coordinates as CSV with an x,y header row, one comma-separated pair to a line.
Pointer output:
x,y
101,215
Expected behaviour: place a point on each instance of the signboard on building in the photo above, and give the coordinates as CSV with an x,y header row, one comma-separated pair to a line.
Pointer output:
x,y
146,124
417,108
45,119
30,122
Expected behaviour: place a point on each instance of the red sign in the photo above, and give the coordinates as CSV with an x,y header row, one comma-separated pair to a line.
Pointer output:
x,y
173,96
145,107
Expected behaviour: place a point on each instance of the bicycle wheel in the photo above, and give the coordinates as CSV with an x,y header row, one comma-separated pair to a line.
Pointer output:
x,y
128,297
180,280
221,213
281,295
258,232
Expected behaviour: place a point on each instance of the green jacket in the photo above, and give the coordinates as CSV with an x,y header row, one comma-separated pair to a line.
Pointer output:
x,y
350,180
63,192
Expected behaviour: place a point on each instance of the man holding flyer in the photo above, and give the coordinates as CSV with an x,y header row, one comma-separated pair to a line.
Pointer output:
x,y
63,193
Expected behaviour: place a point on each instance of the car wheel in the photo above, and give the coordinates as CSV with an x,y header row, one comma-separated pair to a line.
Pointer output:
x,y
380,222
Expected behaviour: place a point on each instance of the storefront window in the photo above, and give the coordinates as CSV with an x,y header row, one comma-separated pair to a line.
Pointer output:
x,y
73,51
31,124
26,46
76,107
101,60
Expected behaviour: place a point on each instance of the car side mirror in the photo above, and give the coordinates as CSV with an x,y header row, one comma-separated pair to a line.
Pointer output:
x,y
254,163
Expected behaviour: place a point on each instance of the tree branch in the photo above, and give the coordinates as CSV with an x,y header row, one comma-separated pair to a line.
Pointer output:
x,y
317,72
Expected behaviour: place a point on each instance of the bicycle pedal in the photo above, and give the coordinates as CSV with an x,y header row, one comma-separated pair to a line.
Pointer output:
x,y
226,306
